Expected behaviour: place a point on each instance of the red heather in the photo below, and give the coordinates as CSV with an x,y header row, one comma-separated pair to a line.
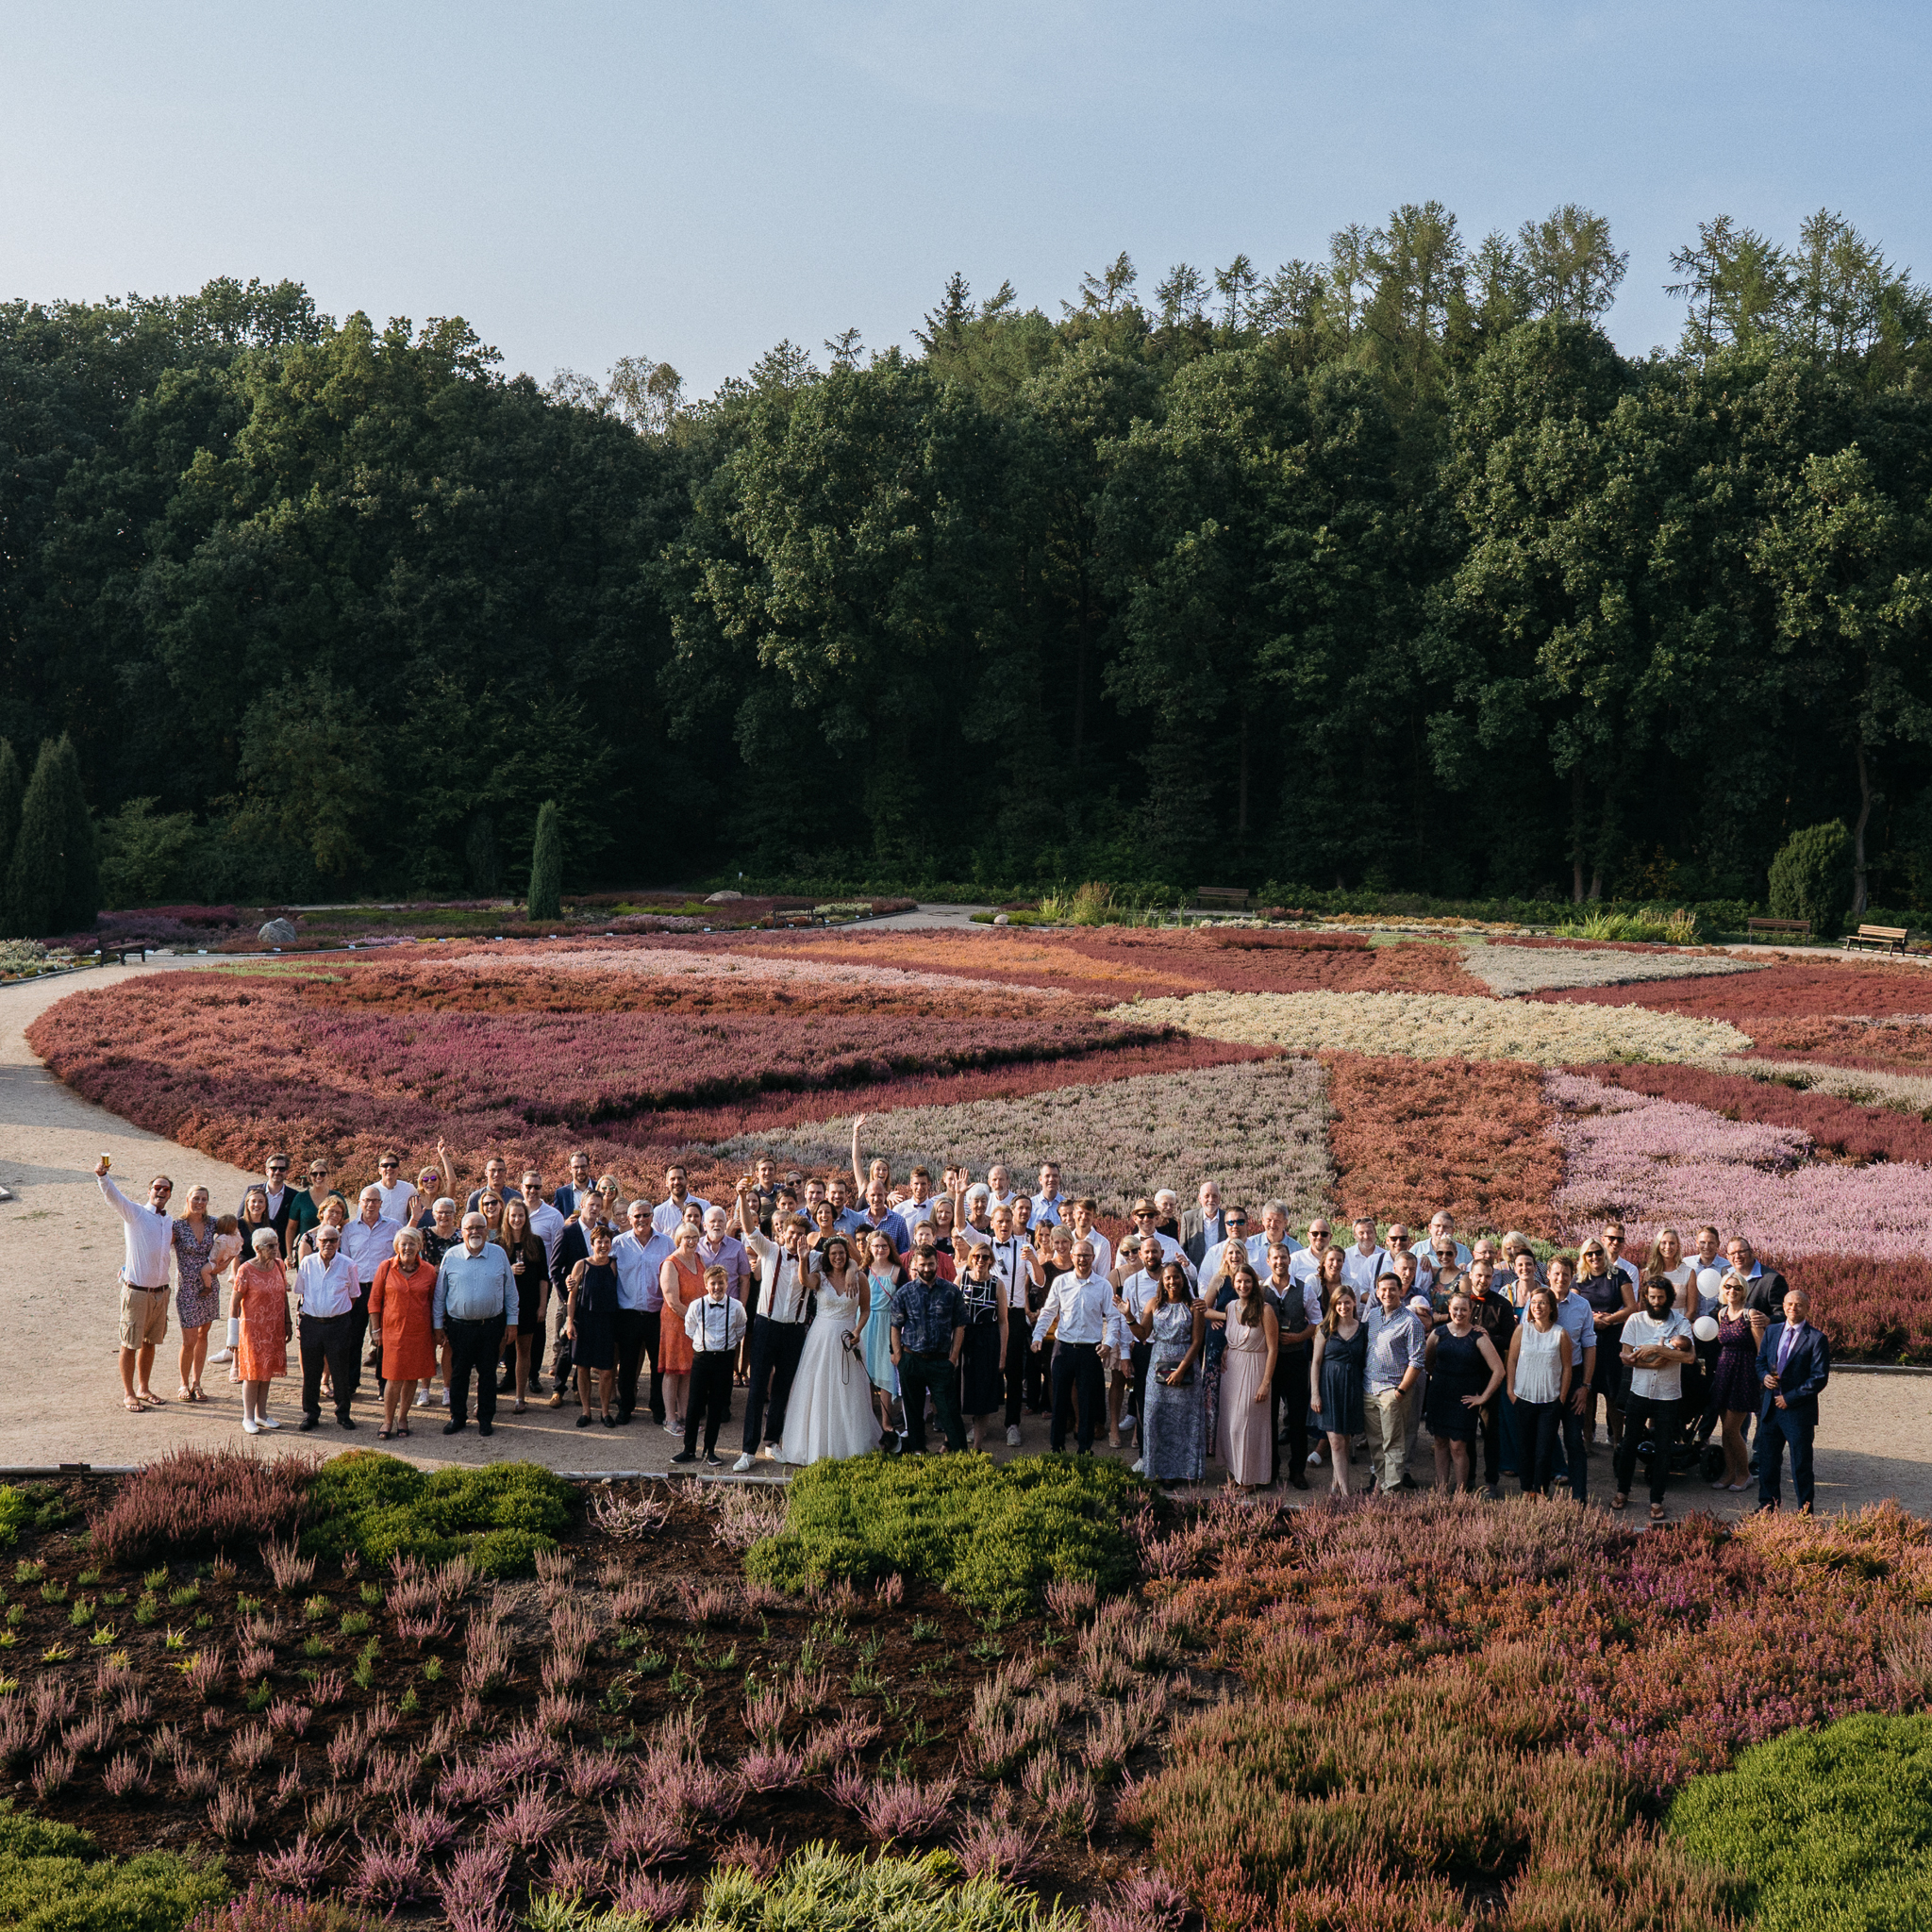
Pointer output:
x,y
1408,1137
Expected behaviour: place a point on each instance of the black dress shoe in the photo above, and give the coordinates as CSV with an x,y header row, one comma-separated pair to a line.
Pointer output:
x,y
307,1423
486,1428
685,1456
584,1421
345,1420
451,1426
1298,1481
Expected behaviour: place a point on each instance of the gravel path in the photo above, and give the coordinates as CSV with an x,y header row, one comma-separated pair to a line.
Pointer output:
x,y
60,1246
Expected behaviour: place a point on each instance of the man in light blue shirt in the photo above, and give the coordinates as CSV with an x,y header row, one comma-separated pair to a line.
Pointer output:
x,y
1394,1367
475,1310
1577,1321
639,1257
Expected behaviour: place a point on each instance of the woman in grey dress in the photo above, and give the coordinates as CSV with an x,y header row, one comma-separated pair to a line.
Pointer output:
x,y
1175,1444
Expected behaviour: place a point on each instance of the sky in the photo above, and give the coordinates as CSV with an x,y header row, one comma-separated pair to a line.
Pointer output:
x,y
695,183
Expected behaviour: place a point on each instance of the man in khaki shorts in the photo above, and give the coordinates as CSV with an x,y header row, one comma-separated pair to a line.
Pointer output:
x,y
150,1246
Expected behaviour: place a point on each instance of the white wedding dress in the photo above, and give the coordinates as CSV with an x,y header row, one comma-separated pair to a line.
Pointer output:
x,y
829,1414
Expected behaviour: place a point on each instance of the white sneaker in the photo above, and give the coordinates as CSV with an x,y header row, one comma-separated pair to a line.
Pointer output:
x,y
422,1398
742,1464
224,1355
250,1426
768,1451
1314,1458
1141,1467
445,1398
1013,1437
268,1421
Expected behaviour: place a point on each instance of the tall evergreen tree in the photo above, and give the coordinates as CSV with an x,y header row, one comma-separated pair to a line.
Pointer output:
x,y
54,881
10,787
80,887
546,864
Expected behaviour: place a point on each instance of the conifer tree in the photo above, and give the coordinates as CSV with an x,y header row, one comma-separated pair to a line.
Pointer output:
x,y
11,785
53,880
546,864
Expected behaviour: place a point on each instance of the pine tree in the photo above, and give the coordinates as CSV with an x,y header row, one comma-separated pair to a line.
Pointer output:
x,y
10,787
54,880
80,892
546,864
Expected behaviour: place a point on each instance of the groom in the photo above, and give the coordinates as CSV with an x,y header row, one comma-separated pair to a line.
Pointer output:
x,y
1794,1364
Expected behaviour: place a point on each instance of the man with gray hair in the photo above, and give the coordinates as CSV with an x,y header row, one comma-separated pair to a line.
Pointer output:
x,y
368,1242
474,1309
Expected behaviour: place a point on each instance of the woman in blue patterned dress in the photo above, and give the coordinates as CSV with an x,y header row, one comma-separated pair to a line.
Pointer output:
x,y
1174,1444
197,1297
883,1275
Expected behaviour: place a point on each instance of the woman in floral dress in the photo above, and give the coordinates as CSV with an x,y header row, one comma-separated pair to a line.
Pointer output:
x,y
197,1294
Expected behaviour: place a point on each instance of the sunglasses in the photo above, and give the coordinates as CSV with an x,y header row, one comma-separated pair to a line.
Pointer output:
x,y
278,1167
385,1166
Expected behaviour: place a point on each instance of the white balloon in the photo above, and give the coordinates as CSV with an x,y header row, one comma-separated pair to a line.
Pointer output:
x,y
1420,1302
1708,1280
1704,1328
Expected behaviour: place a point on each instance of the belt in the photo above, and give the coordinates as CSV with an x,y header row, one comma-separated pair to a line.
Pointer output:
x,y
139,1289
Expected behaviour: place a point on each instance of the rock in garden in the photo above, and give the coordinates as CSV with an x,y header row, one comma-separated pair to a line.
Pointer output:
x,y
722,898
278,932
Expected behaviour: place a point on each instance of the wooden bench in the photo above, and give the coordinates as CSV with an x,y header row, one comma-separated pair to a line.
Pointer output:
x,y
1877,939
121,953
1789,929
805,917
1221,899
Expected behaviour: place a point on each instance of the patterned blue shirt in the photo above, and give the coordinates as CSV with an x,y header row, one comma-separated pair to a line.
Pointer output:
x,y
925,1313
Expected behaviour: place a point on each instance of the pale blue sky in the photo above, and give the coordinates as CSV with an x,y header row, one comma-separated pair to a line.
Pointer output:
x,y
693,183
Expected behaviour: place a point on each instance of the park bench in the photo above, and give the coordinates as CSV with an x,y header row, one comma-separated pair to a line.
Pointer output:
x,y
802,917
1786,928
1877,939
1221,899
121,953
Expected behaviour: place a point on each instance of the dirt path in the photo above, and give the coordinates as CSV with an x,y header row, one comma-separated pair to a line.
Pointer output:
x,y
60,1246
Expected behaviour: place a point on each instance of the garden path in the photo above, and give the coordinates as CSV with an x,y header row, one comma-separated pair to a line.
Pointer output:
x,y
60,1248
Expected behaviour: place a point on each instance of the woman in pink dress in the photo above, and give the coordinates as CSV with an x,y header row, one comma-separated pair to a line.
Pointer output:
x,y
1243,1432
262,1300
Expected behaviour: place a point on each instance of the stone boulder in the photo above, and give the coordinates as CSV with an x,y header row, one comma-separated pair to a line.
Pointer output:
x,y
277,932
722,898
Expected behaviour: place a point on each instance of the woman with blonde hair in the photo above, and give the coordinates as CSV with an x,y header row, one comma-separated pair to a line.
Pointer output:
x,y
1735,1391
529,1263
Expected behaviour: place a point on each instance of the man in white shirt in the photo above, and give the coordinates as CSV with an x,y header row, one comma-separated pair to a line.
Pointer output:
x,y
1018,1269
546,1223
1137,1279
1305,1262
1446,1255
781,1307
368,1242
999,1185
917,1207
1080,1215
668,1217
1655,1346
325,1282
1077,1309
1142,1218
147,1247
1365,1264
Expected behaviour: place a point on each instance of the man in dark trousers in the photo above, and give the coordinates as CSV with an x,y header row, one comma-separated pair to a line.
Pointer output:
x,y
928,1334
1794,1365
780,1310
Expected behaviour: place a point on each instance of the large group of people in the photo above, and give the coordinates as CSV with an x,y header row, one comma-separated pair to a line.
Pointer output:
x,y
865,1311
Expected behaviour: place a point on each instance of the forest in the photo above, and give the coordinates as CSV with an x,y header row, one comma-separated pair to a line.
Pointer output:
x,y
1386,571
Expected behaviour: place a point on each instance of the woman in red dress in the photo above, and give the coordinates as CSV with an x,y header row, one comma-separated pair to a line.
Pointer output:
x,y
260,1298
402,1304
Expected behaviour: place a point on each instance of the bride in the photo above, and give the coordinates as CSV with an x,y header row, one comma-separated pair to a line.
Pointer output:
x,y
830,1413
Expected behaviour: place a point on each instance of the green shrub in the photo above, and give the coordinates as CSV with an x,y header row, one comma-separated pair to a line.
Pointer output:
x,y
1811,878
54,1878
994,1535
498,1516
546,865
1823,1829
831,1891
31,1506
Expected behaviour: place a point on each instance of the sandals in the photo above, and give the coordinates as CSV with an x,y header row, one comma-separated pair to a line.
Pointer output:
x,y
132,1407
519,1407
184,1393
1620,1502
1656,1512
383,1435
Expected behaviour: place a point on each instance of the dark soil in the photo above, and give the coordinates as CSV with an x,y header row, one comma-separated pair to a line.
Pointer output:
x,y
705,1643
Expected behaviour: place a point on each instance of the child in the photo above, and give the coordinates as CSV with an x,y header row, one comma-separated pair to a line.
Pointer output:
x,y
714,1323
262,1353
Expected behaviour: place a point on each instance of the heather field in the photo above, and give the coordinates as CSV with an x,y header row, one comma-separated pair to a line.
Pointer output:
x,y
1538,1085
923,1694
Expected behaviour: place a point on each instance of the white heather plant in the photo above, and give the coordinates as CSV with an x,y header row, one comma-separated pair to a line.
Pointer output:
x,y
1434,1027
1865,1086
1511,970
1261,1126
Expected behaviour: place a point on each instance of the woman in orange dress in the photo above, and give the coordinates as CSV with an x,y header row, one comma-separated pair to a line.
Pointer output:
x,y
402,1303
260,1298
682,1280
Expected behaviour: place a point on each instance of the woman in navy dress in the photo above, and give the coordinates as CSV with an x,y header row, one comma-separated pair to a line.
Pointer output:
x,y
1341,1375
591,1325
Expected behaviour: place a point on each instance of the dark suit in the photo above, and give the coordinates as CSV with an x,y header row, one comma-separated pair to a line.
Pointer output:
x,y
1806,1372
1767,1295
1195,1239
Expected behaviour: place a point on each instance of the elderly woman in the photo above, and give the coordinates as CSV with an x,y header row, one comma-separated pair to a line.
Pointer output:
x,y
403,1307
681,1281
262,1300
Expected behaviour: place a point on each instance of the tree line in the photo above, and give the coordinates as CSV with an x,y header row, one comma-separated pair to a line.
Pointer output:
x,y
1385,571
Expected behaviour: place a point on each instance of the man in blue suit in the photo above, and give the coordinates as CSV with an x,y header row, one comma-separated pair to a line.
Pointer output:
x,y
1794,1364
